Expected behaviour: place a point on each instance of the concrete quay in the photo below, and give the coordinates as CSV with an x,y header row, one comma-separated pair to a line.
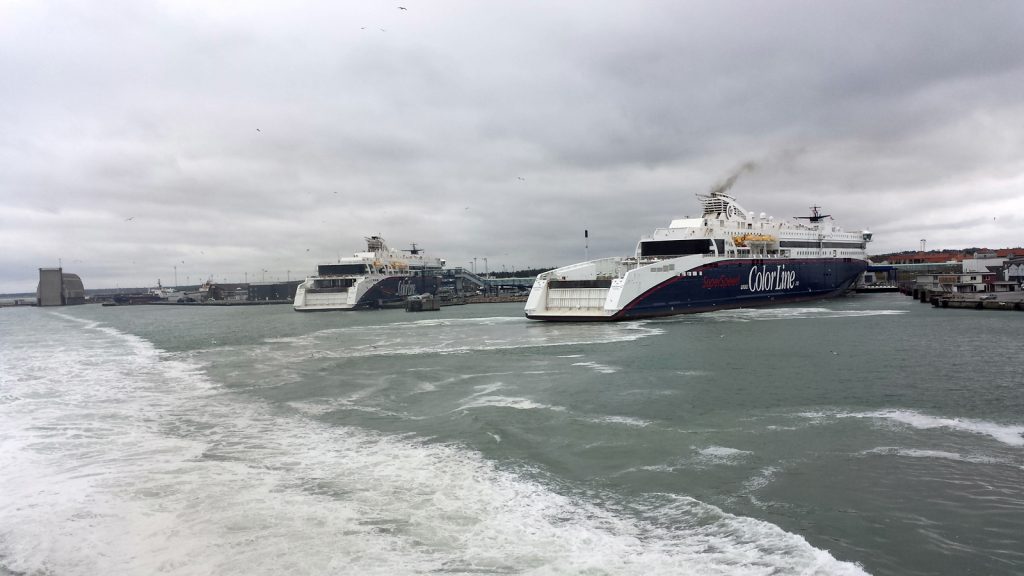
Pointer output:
x,y
1013,301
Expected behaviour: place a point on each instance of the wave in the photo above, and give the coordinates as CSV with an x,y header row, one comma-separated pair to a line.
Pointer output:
x,y
1010,434
715,455
118,459
322,406
699,458
508,402
451,336
791,313
764,477
693,372
621,420
596,367
940,454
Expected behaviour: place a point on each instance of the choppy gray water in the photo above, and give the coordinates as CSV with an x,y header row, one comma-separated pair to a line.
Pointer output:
x,y
869,434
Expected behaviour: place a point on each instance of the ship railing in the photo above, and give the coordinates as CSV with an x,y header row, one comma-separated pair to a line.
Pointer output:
x,y
327,290
600,267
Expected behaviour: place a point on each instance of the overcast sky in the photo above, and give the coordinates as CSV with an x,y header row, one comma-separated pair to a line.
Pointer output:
x,y
256,139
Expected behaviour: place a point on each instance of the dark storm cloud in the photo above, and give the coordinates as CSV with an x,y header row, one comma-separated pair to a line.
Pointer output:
x,y
274,136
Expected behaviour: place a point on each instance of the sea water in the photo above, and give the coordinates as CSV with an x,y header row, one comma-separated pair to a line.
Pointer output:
x,y
870,434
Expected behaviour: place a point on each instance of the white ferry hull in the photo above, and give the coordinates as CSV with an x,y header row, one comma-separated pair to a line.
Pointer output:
x,y
367,292
689,285
727,258
376,278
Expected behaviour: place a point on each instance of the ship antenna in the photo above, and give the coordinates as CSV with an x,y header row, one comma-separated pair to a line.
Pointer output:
x,y
816,215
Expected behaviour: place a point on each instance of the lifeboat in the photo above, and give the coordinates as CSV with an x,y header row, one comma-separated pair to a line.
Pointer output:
x,y
745,239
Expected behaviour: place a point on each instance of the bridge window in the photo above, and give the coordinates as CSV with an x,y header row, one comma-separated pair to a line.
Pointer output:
x,y
675,247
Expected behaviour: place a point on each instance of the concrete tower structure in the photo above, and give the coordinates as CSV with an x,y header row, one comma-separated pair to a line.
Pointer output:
x,y
57,288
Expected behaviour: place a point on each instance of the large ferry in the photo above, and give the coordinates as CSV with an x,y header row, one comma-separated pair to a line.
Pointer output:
x,y
376,278
727,258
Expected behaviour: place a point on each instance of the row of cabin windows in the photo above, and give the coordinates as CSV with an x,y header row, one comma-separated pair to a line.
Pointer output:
x,y
704,246
801,244
335,283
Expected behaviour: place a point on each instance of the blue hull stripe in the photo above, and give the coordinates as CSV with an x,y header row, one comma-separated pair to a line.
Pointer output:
x,y
389,289
745,283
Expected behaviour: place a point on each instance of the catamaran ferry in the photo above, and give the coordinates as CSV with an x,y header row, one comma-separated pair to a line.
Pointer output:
x,y
379,277
727,258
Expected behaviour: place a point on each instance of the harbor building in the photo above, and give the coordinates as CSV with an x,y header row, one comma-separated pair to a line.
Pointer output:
x,y
272,291
964,282
58,288
1014,271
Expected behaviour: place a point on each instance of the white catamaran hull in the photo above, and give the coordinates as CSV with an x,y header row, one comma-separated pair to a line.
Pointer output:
x,y
728,258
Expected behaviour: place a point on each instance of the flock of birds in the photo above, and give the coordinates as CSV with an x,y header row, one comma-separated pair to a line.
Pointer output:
x,y
381,29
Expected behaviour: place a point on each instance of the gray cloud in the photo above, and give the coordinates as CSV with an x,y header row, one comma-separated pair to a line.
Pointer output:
x,y
274,136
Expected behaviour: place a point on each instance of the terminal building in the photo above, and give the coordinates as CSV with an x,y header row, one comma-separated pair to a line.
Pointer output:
x,y
58,288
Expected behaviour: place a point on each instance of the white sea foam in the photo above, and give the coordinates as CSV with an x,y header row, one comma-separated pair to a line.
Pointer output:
x,y
792,313
596,367
508,402
764,477
720,455
669,468
118,460
321,406
775,427
482,389
693,372
451,336
700,458
1006,433
940,454
622,420
484,397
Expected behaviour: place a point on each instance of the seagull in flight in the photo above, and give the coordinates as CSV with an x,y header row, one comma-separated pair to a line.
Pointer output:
x,y
129,219
402,8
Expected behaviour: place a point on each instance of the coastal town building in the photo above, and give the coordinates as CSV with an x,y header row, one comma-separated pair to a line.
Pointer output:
x,y
969,282
1013,270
